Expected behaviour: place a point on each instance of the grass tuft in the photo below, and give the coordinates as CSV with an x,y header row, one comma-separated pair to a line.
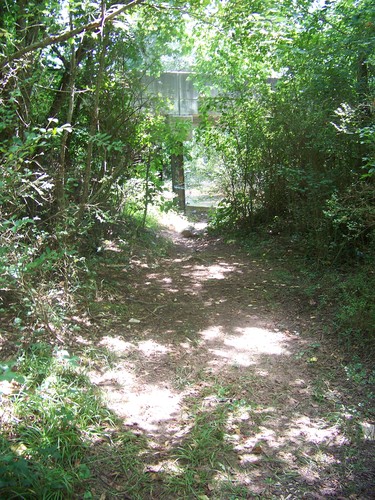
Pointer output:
x,y
49,423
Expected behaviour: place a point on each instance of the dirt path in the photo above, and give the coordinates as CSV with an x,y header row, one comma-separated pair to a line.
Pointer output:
x,y
193,354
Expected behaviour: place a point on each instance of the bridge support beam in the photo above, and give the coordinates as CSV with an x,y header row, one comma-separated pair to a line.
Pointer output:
x,y
178,176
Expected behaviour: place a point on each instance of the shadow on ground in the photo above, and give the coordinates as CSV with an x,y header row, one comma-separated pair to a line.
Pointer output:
x,y
223,394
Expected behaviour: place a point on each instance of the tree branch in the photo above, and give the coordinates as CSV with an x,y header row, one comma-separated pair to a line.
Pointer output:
x,y
51,40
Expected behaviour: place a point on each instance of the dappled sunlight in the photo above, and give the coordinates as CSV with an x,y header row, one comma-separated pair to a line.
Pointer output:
x,y
112,246
148,408
138,402
113,380
120,346
212,333
150,347
211,272
259,340
231,356
194,274
200,226
173,221
316,432
116,344
218,382
243,348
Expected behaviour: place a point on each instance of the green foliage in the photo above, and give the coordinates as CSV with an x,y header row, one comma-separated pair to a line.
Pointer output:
x,y
53,419
75,127
81,145
199,455
356,372
352,219
341,295
356,312
300,148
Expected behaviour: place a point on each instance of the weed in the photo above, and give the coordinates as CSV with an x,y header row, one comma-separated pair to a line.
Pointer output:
x,y
52,421
343,295
183,377
319,390
199,456
358,373
309,352
104,356
120,455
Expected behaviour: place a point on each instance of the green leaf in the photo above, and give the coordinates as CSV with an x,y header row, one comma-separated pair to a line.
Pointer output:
x,y
84,473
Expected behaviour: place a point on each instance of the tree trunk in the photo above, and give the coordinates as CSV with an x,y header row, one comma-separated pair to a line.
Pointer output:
x,y
147,190
61,173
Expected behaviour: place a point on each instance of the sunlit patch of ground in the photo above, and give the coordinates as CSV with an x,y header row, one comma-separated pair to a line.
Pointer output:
x,y
140,404
243,348
174,221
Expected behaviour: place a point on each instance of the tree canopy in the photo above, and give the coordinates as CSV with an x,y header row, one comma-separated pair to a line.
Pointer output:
x,y
301,146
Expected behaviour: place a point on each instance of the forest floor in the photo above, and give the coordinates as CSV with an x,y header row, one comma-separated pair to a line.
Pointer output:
x,y
223,379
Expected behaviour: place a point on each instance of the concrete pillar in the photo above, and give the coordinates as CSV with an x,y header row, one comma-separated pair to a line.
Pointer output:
x,y
178,176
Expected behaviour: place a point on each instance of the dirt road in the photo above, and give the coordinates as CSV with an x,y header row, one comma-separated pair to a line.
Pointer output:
x,y
234,395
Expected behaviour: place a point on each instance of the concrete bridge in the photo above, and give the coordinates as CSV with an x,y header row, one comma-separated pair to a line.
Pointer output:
x,y
177,88
181,98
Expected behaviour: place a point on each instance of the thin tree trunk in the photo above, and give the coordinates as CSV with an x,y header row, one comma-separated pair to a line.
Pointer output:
x,y
94,126
61,174
147,190
178,176
63,91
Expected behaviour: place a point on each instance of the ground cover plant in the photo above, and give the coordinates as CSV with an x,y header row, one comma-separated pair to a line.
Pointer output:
x,y
51,415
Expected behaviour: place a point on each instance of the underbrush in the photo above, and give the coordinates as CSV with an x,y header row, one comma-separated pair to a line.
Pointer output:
x,y
51,415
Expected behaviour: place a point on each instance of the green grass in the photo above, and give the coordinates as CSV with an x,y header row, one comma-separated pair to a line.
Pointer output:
x,y
65,444
49,423
120,456
200,455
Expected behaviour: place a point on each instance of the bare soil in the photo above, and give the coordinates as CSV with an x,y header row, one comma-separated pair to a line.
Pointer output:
x,y
208,326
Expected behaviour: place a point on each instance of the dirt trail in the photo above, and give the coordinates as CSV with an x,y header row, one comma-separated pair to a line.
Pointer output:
x,y
196,331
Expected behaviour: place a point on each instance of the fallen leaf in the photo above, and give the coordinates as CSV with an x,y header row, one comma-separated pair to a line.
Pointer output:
x,y
19,448
134,320
368,431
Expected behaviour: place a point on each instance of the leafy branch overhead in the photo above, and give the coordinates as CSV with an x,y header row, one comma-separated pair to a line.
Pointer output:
x,y
100,22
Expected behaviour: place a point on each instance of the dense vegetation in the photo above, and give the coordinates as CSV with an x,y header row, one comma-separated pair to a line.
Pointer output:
x,y
297,151
84,148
